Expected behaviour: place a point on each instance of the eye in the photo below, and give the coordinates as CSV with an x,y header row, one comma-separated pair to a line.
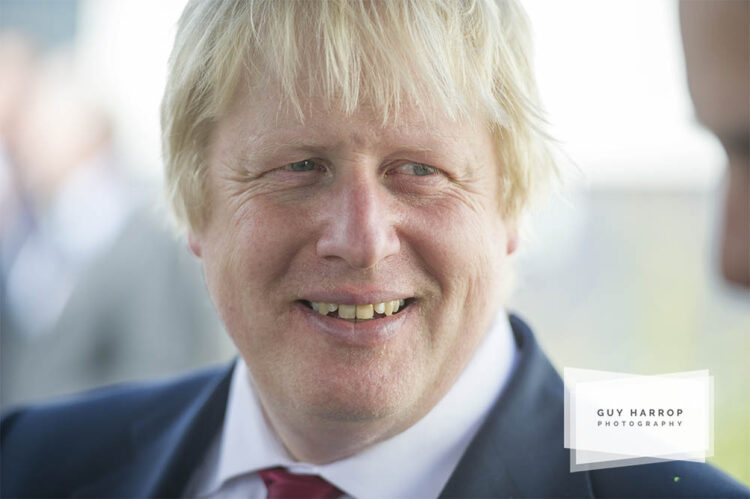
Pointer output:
x,y
417,169
307,165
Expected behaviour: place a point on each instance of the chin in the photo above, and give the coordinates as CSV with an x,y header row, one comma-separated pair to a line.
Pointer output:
x,y
358,398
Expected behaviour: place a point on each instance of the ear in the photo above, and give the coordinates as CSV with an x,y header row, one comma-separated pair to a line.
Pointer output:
x,y
194,243
511,230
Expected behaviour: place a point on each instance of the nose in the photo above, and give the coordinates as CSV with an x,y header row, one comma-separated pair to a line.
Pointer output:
x,y
359,226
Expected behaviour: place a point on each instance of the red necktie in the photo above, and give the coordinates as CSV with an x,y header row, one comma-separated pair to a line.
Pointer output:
x,y
284,485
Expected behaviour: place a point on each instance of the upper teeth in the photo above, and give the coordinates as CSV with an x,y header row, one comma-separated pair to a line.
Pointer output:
x,y
358,311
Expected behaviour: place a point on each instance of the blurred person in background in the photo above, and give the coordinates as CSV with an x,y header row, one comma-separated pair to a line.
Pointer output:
x,y
66,201
716,41
17,63
354,202
78,241
76,198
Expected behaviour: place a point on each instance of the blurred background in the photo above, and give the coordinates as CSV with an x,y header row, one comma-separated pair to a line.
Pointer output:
x,y
625,269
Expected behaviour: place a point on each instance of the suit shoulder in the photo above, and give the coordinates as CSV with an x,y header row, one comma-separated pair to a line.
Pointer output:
x,y
110,404
669,479
57,442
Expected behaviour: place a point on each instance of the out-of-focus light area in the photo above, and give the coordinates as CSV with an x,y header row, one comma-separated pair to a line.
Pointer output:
x,y
613,80
126,53
618,271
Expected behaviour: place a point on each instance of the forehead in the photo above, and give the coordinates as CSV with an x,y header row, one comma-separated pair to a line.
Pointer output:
x,y
263,118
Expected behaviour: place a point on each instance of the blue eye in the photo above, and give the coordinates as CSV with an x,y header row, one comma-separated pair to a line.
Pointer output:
x,y
301,166
417,169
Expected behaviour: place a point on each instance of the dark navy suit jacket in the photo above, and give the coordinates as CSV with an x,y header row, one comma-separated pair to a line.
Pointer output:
x,y
146,441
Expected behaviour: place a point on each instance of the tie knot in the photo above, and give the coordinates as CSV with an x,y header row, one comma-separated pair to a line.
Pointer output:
x,y
282,484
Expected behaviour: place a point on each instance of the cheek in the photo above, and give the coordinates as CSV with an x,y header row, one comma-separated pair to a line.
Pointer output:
x,y
461,247
246,258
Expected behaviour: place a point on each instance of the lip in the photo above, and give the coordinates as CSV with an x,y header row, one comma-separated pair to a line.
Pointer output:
x,y
364,334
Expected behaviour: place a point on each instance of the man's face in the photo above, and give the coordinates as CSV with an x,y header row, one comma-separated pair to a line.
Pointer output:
x,y
348,212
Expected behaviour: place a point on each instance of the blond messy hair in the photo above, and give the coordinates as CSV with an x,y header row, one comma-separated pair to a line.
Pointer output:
x,y
469,58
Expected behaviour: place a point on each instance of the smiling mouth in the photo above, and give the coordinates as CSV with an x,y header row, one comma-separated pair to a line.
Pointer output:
x,y
359,313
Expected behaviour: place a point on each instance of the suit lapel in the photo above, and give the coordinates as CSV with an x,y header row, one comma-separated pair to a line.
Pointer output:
x,y
519,450
168,445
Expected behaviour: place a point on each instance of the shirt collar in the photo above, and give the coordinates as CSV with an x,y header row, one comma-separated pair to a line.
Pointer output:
x,y
248,443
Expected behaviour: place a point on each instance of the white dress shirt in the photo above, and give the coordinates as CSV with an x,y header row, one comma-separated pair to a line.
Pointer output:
x,y
416,463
